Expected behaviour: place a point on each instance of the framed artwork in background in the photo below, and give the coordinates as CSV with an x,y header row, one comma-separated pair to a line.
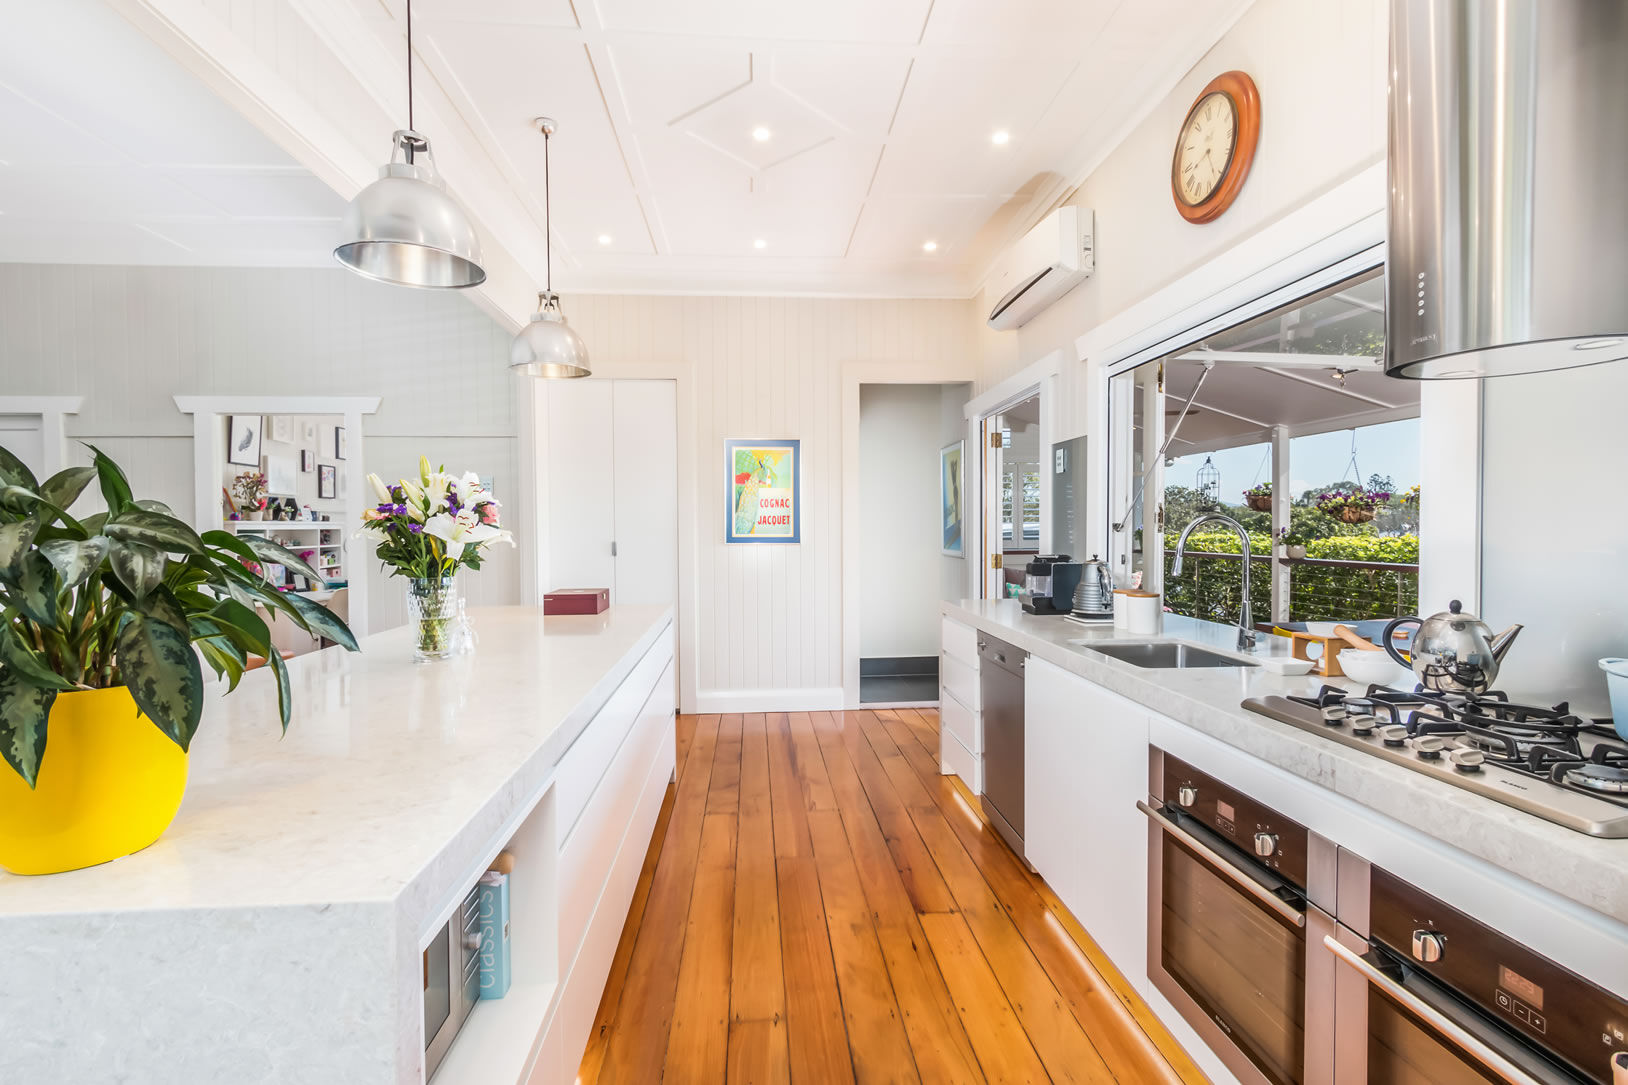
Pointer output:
x,y
279,475
308,460
763,484
281,427
951,494
325,481
243,439
308,434
339,442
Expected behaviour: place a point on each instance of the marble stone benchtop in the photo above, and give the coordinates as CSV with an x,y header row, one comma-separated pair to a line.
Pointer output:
x,y
391,777
1585,869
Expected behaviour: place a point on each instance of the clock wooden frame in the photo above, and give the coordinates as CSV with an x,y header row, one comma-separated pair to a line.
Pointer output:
x,y
1246,103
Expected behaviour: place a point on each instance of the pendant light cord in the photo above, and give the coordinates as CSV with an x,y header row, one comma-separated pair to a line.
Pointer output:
x,y
548,211
410,127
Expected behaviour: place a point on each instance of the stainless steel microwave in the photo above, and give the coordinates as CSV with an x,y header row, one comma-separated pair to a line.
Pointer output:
x,y
451,979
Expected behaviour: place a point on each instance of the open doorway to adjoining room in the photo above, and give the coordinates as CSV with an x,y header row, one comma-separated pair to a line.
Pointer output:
x,y
912,504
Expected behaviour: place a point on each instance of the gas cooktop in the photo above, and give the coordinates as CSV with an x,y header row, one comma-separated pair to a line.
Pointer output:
x,y
1546,761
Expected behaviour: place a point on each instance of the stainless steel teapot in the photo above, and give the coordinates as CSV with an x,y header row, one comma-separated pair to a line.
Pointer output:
x,y
1094,596
1452,652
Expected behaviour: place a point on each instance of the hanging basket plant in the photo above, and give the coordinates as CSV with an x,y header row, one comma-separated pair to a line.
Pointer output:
x,y
1259,497
1352,506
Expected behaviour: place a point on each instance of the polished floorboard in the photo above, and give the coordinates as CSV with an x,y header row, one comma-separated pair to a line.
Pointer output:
x,y
818,905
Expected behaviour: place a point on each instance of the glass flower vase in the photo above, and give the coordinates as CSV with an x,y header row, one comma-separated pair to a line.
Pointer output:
x,y
433,614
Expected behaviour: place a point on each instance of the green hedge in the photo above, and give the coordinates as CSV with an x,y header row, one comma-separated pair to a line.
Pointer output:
x,y
1208,587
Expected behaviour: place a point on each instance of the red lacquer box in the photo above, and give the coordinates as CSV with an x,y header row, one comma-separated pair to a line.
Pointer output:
x,y
577,601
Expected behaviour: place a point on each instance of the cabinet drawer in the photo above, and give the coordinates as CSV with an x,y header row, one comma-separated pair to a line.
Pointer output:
x,y
960,680
583,765
957,719
957,759
960,641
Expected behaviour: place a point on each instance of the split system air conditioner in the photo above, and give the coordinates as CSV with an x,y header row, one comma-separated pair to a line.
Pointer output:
x,y
1052,259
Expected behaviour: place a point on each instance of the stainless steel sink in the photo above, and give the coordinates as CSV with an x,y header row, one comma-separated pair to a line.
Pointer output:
x,y
1167,655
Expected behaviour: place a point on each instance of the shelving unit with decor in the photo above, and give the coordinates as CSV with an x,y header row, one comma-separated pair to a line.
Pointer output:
x,y
326,537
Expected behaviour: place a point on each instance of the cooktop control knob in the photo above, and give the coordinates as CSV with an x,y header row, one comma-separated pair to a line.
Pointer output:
x,y
1394,734
1363,726
1266,845
1186,795
1428,946
1619,1068
1468,760
1428,747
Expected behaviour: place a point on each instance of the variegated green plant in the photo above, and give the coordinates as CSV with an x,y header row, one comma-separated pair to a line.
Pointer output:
x,y
128,597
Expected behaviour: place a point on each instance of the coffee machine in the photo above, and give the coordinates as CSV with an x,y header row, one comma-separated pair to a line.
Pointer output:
x,y
1049,581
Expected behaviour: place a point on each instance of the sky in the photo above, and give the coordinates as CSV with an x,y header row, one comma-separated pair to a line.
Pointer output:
x,y
1388,449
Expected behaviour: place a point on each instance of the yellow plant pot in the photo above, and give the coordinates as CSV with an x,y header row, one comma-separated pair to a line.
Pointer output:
x,y
110,784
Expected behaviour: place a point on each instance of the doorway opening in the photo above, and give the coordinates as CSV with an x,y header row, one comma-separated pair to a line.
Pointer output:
x,y
1014,497
912,508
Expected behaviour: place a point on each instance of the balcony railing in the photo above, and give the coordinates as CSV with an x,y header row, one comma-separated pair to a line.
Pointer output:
x,y
1320,589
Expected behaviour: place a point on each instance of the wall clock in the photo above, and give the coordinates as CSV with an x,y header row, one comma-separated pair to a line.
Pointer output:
x,y
1215,147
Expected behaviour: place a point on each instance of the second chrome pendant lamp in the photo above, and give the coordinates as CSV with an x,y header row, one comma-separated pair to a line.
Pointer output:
x,y
404,228
548,346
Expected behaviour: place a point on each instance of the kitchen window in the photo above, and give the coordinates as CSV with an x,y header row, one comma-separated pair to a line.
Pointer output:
x,y
1293,400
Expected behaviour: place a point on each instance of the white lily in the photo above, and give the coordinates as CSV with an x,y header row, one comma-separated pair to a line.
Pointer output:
x,y
380,489
469,490
462,530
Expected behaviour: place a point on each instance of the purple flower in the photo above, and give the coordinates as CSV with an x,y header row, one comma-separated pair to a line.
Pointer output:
x,y
416,529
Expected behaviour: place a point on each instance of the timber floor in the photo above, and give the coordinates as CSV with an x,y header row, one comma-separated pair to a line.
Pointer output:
x,y
818,905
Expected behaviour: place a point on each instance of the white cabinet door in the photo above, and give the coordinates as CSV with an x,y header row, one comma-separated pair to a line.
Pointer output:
x,y
581,486
645,469
1086,756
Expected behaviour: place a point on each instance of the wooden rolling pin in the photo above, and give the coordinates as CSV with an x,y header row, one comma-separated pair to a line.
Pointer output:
x,y
1355,639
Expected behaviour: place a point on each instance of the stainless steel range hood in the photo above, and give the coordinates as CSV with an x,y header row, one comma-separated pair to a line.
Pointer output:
x,y
1508,187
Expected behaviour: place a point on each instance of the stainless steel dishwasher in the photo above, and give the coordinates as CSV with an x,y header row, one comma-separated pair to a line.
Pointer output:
x,y
1000,674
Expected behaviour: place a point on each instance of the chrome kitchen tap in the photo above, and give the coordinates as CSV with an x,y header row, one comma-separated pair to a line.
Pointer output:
x,y
1246,619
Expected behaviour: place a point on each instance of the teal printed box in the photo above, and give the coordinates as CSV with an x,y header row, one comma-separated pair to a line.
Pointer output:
x,y
494,934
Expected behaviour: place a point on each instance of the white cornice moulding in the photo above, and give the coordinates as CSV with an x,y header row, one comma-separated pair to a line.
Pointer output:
x,y
277,404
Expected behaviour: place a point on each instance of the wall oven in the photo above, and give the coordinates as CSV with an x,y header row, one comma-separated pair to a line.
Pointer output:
x,y
1426,994
451,979
1241,898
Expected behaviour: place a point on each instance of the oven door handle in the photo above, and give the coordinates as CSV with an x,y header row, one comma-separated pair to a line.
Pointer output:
x,y
1460,1037
1221,866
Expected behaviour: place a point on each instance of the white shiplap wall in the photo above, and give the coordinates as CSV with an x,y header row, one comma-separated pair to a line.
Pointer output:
x,y
766,631
130,339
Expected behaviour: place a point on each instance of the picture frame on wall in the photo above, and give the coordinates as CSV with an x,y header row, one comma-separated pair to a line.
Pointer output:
x,y
326,486
279,475
308,434
763,488
243,432
952,489
339,442
281,427
308,461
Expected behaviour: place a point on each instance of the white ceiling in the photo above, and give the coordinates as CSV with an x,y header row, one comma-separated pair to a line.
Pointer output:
x,y
111,153
880,112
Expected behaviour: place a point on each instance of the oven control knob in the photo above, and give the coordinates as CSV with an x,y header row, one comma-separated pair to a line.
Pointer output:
x,y
1394,734
1428,946
1266,845
1186,795
1619,1068
1466,759
1428,747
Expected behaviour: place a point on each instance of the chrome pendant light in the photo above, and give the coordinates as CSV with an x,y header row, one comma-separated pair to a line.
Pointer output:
x,y
548,346
404,228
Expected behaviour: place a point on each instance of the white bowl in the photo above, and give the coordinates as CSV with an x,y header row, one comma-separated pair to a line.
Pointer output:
x,y
1374,668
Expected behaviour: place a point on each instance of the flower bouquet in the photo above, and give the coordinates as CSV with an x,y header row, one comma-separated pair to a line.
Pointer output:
x,y
249,492
1352,506
1259,497
426,530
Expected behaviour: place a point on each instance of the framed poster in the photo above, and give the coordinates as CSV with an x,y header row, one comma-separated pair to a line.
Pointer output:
x,y
325,481
308,461
279,474
308,433
243,439
764,485
951,498
339,442
281,427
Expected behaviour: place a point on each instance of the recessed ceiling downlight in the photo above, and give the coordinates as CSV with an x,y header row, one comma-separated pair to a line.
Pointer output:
x,y
760,244
761,134
604,239
929,246
1000,137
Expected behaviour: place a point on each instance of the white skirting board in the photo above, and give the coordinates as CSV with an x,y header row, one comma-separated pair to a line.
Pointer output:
x,y
769,700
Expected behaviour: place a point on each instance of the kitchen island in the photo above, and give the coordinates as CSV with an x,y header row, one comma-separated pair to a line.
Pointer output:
x,y
276,932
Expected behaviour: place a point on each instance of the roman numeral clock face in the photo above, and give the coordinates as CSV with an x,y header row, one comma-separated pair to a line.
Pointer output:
x,y
1205,152
1215,147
